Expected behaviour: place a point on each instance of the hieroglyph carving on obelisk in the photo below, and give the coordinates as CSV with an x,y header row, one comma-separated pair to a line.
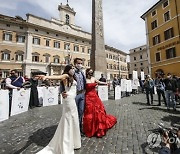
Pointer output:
x,y
98,55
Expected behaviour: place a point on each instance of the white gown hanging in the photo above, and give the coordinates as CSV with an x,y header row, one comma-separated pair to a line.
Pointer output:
x,y
67,136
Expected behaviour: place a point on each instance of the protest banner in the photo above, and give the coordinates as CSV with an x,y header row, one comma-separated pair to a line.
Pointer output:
x,y
129,86
123,84
117,92
135,76
4,105
20,101
103,92
135,83
142,76
40,94
50,96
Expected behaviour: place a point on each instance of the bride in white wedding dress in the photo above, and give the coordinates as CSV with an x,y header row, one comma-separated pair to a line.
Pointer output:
x,y
67,136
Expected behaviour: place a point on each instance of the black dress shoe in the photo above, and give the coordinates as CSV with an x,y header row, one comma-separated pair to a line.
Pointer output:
x,y
38,105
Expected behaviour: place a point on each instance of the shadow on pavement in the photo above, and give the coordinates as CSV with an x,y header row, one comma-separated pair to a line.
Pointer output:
x,y
161,109
174,120
41,138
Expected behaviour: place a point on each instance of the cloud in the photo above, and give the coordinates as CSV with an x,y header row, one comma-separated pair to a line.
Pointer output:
x,y
123,27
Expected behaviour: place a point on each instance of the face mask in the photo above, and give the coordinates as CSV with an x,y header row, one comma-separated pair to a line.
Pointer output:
x,y
90,73
79,66
71,72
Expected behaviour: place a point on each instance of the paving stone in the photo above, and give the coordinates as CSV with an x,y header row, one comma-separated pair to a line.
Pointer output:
x,y
30,131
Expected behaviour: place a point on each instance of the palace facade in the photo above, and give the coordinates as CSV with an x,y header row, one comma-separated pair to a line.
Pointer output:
x,y
163,37
36,43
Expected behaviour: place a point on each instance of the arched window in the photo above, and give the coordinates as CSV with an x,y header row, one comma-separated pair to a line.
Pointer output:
x,y
19,55
56,59
35,57
67,19
5,55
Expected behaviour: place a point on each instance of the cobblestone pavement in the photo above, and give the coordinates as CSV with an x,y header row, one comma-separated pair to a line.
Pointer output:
x,y
29,132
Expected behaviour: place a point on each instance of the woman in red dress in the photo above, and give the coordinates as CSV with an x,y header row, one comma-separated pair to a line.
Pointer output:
x,y
95,121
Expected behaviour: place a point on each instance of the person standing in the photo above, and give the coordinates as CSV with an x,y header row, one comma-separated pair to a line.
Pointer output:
x,y
96,121
67,136
102,79
13,82
149,87
34,100
170,90
115,82
160,86
80,97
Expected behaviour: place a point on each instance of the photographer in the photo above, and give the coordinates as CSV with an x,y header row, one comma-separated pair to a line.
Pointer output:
x,y
170,148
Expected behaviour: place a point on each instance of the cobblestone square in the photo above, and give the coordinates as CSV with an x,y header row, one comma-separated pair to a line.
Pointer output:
x,y
29,132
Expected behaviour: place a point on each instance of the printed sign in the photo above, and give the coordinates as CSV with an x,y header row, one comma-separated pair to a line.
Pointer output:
x,y
117,92
50,96
135,83
40,94
135,76
4,105
123,84
142,76
103,92
129,85
20,101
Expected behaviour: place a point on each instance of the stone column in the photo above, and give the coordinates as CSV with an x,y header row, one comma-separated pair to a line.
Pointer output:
x,y
28,54
98,56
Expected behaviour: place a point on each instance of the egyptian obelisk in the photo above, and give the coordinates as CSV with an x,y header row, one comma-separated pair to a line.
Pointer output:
x,y
98,55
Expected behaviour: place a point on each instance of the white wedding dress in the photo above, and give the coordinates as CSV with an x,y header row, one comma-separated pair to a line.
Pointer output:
x,y
67,136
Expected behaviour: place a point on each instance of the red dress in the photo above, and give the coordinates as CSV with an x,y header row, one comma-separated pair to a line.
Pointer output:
x,y
95,121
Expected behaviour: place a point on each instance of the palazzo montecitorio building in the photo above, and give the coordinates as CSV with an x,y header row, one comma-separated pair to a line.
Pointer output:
x,y
163,37
36,43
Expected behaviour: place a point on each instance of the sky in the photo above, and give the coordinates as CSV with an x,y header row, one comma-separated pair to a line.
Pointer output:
x,y
123,27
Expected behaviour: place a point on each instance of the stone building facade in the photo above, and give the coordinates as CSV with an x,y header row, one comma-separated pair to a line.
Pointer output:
x,y
162,22
36,43
138,60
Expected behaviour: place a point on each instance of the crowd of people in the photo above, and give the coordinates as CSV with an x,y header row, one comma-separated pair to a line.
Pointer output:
x,y
83,111
168,87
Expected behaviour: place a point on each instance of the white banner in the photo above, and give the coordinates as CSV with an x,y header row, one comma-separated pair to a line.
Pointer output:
x,y
117,92
129,85
20,101
155,90
123,84
142,76
4,105
40,94
135,76
103,92
135,83
50,96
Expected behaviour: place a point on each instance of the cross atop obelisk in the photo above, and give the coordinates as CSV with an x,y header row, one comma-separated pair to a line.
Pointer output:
x,y
98,55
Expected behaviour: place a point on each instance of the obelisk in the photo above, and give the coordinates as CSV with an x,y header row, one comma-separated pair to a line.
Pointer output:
x,y
98,56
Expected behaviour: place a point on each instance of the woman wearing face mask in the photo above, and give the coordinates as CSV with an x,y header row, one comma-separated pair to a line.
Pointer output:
x,y
95,121
67,136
